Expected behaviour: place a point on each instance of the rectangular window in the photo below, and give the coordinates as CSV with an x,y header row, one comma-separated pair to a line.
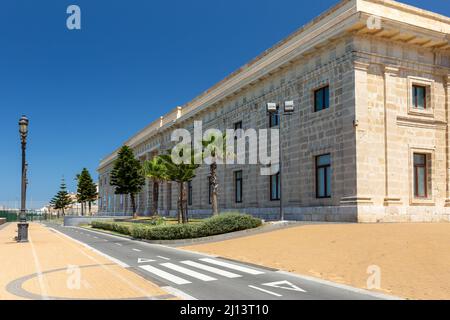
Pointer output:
x,y
419,97
322,99
238,186
274,119
323,176
190,193
275,187
420,175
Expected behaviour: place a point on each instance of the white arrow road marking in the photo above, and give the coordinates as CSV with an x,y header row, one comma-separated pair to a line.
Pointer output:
x,y
165,275
232,266
189,272
266,291
118,244
284,285
144,260
137,250
224,273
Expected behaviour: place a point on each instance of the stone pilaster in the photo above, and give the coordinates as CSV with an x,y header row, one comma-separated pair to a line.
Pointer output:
x,y
447,140
392,185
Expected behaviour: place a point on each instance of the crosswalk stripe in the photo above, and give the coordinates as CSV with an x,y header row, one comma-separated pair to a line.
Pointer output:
x,y
221,272
232,266
188,272
168,276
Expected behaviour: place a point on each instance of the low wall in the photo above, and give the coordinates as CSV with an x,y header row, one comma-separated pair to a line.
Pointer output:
x,y
2,221
74,221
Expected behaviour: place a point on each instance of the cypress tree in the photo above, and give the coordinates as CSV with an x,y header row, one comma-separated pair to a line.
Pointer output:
x,y
127,175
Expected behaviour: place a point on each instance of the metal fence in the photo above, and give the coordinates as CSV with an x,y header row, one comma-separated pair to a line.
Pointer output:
x,y
13,216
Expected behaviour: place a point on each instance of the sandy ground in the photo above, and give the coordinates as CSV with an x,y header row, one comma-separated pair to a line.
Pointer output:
x,y
413,259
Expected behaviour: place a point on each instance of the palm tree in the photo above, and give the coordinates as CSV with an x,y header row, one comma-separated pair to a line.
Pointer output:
x,y
215,151
156,171
179,173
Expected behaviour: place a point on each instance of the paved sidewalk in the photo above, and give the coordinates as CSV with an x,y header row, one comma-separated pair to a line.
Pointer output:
x,y
53,266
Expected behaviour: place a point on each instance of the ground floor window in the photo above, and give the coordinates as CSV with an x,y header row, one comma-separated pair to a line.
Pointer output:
x,y
275,187
209,190
190,193
238,186
420,175
323,176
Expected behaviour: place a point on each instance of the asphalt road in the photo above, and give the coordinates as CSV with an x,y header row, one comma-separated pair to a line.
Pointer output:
x,y
198,276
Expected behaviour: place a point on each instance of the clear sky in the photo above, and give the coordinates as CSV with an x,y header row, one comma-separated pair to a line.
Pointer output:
x,y
87,91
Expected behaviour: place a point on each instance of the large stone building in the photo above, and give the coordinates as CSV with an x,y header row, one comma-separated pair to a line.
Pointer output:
x,y
368,140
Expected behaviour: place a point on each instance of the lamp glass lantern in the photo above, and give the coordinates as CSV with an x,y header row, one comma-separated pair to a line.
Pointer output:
x,y
23,127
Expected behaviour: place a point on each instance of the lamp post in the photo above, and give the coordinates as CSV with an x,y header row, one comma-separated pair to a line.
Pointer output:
x,y
288,109
22,235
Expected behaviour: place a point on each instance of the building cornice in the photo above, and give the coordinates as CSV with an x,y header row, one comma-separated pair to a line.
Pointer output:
x,y
347,17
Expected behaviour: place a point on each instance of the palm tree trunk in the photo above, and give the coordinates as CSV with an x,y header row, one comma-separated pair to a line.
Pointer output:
x,y
179,204
155,197
215,187
184,202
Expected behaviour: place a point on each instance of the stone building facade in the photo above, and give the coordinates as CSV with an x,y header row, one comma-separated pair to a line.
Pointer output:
x,y
368,140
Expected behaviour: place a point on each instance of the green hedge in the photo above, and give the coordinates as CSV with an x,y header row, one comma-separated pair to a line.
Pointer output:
x,y
224,223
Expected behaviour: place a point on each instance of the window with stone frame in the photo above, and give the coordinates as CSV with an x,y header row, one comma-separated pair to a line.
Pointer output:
x,y
420,175
419,97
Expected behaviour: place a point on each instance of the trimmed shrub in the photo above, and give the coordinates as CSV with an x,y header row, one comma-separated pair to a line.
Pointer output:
x,y
224,223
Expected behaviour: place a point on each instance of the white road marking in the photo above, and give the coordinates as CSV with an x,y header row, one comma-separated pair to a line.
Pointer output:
x,y
232,266
164,258
120,263
284,285
137,250
165,275
144,260
266,291
188,272
37,264
221,272
95,237
178,293
118,244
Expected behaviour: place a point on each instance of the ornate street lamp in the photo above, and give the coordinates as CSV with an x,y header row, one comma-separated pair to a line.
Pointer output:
x,y
22,226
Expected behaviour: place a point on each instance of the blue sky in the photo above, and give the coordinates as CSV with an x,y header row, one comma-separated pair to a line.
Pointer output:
x,y
87,91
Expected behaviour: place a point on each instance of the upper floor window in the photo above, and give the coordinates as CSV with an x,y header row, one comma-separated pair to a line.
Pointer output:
x,y
274,119
237,126
323,176
322,98
419,97
420,175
